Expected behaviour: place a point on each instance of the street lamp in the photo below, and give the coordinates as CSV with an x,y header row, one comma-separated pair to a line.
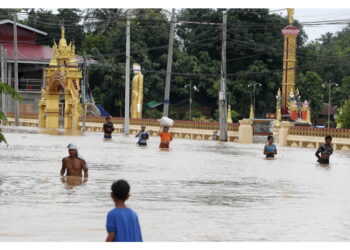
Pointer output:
x,y
195,89
254,85
329,84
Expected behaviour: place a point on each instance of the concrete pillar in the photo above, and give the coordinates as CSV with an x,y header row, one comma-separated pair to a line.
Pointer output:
x,y
245,131
275,130
41,115
52,110
67,109
283,132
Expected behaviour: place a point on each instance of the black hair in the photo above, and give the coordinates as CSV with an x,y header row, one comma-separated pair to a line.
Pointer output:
x,y
269,137
120,189
328,137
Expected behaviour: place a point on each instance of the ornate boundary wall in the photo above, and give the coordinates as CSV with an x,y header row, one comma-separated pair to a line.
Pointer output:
x,y
181,129
309,137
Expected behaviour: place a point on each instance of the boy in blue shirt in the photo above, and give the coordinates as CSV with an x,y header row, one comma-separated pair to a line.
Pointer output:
x,y
122,222
270,149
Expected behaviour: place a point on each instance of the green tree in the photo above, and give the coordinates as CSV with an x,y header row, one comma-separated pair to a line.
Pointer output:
x,y
8,13
329,57
343,116
6,89
45,20
254,54
106,44
310,88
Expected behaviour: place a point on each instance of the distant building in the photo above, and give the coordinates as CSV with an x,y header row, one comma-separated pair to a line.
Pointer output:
x,y
322,116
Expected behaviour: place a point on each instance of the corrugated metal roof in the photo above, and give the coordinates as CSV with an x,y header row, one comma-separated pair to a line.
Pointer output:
x,y
23,26
29,52
33,53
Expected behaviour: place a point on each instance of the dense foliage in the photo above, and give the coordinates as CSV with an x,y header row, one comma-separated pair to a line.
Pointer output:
x,y
343,117
6,89
254,54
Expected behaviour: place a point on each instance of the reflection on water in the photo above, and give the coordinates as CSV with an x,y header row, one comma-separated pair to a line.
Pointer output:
x,y
196,191
72,181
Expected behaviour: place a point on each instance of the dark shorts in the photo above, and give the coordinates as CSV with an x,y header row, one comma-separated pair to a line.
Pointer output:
x,y
142,144
270,156
323,161
108,136
163,145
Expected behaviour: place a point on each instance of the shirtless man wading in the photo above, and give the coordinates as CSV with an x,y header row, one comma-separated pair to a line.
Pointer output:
x,y
74,163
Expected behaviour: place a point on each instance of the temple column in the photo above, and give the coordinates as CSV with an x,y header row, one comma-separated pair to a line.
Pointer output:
x,y
290,33
67,110
52,109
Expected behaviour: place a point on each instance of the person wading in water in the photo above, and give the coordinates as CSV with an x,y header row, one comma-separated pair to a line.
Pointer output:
x,y
108,128
326,150
74,164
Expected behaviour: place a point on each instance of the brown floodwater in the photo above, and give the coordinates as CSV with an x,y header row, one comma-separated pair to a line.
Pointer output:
x,y
196,191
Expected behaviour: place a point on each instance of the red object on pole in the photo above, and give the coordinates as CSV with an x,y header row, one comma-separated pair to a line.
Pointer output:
x,y
294,115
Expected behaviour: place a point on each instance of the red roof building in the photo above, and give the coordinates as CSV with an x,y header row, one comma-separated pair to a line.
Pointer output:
x,y
28,49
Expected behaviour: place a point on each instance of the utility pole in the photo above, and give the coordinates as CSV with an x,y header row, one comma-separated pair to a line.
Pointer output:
x,y
254,86
3,77
169,64
190,101
222,93
84,92
16,66
127,77
329,84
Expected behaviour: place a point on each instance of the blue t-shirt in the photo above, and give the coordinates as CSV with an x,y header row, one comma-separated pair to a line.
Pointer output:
x,y
125,224
270,148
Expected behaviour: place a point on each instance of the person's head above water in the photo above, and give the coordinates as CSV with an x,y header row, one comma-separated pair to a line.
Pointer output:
x,y
72,149
165,129
108,118
143,127
120,190
328,139
270,138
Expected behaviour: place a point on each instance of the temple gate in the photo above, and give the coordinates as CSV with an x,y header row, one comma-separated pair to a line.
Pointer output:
x,y
61,74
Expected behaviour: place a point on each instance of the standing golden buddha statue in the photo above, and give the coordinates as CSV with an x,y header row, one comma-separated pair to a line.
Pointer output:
x,y
137,92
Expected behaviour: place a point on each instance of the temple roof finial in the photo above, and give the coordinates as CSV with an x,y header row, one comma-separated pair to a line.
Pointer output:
x,y
291,15
63,41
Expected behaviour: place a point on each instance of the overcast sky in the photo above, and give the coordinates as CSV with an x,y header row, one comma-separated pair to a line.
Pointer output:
x,y
311,15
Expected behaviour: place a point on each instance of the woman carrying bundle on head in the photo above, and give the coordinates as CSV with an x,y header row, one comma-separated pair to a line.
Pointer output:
x,y
165,136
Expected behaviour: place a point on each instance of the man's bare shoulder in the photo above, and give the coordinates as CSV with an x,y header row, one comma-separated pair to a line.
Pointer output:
x,y
66,159
82,161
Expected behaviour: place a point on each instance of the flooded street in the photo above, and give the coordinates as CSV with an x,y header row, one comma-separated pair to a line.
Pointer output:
x,y
197,191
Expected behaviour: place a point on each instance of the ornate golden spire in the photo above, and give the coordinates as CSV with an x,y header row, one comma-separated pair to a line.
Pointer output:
x,y
63,41
53,61
291,15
